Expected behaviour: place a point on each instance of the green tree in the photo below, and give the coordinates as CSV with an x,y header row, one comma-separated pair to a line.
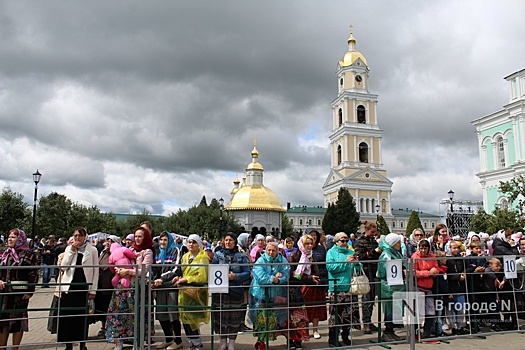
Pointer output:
x,y
502,219
54,213
14,212
413,223
344,216
480,222
513,188
287,227
382,226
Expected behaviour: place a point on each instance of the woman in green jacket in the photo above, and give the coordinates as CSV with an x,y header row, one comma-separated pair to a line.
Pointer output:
x,y
391,250
340,263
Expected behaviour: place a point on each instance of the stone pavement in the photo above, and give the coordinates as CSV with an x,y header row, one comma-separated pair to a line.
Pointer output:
x,y
39,338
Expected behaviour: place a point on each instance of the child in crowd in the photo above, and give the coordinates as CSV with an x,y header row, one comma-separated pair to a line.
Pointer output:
x,y
492,281
440,290
456,286
121,257
475,265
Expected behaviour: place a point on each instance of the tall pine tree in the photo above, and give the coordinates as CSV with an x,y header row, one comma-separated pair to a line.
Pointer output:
x,y
382,226
341,216
413,223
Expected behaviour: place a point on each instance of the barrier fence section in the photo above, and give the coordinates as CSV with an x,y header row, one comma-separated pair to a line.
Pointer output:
x,y
462,297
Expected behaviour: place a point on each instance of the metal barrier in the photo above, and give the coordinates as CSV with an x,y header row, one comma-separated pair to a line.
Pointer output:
x,y
288,311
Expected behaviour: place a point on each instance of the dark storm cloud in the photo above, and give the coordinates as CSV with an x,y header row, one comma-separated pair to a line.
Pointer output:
x,y
176,91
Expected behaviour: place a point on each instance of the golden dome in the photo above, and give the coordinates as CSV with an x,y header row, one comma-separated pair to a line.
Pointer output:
x,y
254,166
254,197
352,55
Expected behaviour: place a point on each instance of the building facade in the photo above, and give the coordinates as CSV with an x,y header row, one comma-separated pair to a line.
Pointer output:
x,y
253,204
501,139
355,141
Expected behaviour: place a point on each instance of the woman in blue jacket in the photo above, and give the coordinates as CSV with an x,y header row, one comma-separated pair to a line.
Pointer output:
x,y
268,288
341,263
230,319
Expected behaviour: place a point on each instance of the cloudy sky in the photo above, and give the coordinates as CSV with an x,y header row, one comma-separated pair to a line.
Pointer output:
x,y
150,105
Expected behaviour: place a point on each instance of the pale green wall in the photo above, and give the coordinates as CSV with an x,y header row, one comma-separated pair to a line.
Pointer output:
x,y
502,128
490,155
492,198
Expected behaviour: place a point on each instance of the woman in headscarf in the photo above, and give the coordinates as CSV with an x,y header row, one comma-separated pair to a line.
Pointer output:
x,y
166,297
192,279
391,250
258,248
78,284
411,246
313,292
268,294
304,279
319,256
230,319
121,311
16,296
340,273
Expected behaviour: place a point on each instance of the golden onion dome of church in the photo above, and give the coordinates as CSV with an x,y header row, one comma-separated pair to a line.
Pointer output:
x,y
252,194
352,54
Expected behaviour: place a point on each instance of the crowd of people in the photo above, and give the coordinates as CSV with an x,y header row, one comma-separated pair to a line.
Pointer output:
x,y
279,287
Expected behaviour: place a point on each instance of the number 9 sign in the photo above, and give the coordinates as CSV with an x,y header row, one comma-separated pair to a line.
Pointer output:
x,y
218,281
394,272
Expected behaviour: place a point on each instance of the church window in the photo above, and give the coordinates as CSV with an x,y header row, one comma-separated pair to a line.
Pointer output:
x,y
361,114
340,113
300,221
318,222
341,81
363,152
338,154
501,152
393,224
504,204
401,223
309,221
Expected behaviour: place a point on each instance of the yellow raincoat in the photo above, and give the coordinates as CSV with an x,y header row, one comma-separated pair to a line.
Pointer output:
x,y
194,293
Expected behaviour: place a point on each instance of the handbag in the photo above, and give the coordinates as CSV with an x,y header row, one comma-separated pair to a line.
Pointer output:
x,y
360,284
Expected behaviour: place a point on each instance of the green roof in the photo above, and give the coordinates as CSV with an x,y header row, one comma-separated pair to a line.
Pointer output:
x,y
305,209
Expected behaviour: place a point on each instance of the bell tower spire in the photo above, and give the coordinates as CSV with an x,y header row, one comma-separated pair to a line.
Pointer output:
x,y
355,141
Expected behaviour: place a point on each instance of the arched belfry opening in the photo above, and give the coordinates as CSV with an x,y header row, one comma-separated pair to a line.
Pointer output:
x,y
361,114
363,152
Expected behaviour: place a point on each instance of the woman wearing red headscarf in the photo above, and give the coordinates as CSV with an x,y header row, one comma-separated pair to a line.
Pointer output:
x,y
121,312
16,254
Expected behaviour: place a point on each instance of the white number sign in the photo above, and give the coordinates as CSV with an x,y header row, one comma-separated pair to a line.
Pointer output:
x,y
394,272
218,281
509,265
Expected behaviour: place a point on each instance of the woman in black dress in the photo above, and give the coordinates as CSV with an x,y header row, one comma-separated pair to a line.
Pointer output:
x,y
78,284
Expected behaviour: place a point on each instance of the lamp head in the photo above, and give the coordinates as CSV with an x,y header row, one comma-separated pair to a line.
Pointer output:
x,y
36,177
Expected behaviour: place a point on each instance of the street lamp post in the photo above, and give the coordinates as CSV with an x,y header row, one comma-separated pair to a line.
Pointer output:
x,y
36,179
221,206
451,216
377,211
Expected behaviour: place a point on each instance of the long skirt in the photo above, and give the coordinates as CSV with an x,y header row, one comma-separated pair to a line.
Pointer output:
x,y
315,301
72,312
15,320
121,315
342,310
229,319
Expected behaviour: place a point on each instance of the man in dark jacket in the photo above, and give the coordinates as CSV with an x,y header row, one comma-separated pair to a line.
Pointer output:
x,y
368,252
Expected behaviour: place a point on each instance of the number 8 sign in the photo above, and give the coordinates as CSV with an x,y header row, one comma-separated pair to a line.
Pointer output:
x,y
218,281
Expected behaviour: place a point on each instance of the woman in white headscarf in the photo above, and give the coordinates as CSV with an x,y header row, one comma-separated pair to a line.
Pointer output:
x,y
260,244
192,279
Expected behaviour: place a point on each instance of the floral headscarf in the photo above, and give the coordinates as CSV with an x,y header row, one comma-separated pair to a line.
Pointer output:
x,y
20,244
304,266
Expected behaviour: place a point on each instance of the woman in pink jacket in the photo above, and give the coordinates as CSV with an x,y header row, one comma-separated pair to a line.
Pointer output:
x,y
426,267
